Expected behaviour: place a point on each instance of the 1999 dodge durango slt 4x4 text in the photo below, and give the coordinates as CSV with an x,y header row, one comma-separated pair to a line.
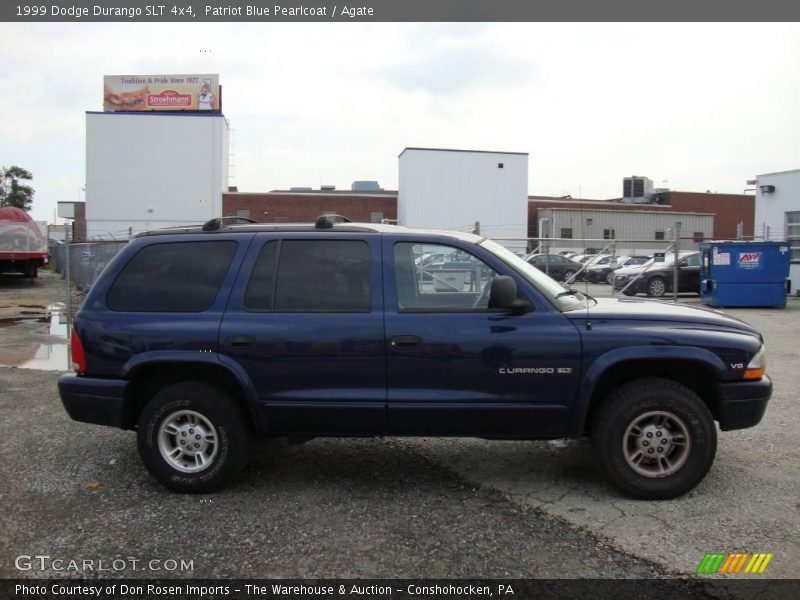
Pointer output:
x,y
199,337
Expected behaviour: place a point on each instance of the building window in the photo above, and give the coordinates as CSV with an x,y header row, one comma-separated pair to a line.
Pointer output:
x,y
500,165
699,236
659,235
566,233
793,234
608,234
375,217
243,213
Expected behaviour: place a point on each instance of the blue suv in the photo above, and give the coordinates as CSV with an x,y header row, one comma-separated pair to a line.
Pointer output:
x,y
199,338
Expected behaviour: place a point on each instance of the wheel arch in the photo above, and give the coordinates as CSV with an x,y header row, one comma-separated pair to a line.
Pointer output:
x,y
147,376
698,369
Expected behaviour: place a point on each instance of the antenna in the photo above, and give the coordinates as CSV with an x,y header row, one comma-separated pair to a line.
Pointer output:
x,y
585,279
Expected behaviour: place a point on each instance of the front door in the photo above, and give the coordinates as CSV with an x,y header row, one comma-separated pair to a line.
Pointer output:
x,y
690,274
456,367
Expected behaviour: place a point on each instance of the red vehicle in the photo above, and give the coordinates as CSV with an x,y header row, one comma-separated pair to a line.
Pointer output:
x,y
23,246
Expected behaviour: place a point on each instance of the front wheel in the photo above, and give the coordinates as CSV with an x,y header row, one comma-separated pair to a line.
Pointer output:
x,y
568,275
610,278
192,437
655,438
656,287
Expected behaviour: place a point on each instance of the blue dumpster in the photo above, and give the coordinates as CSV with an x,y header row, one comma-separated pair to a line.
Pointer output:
x,y
744,273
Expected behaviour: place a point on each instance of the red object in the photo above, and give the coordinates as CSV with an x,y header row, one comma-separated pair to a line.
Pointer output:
x,y
12,213
78,357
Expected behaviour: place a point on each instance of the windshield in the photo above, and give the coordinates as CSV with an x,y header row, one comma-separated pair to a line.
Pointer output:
x,y
550,288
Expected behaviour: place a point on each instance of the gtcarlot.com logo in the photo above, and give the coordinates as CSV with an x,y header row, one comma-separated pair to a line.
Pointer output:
x,y
727,563
45,562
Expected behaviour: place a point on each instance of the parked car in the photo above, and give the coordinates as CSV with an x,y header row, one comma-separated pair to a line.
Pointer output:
x,y
198,338
558,267
658,277
592,260
601,272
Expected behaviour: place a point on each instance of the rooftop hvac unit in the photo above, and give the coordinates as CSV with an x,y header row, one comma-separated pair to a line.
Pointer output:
x,y
365,186
637,190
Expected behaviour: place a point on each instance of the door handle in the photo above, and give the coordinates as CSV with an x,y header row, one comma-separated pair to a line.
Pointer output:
x,y
405,342
240,342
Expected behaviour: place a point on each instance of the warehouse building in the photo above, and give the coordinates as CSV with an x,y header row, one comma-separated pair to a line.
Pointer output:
x,y
157,156
464,190
777,214
627,232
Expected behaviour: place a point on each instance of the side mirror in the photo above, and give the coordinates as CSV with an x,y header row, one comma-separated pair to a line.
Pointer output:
x,y
503,295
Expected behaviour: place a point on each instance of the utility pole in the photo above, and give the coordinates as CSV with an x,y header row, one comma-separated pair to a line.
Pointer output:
x,y
675,268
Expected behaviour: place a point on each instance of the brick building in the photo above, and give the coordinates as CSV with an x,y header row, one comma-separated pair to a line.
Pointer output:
x,y
306,206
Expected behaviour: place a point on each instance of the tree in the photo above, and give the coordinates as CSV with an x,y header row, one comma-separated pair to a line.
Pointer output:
x,y
12,192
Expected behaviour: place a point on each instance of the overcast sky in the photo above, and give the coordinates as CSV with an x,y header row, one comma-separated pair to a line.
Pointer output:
x,y
694,107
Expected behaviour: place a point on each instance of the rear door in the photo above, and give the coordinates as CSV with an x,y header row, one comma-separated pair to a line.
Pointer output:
x,y
305,321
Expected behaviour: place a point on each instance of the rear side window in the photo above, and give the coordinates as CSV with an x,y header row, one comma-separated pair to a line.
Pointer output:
x,y
172,277
311,276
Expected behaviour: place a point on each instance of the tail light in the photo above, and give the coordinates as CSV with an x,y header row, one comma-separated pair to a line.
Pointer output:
x,y
78,357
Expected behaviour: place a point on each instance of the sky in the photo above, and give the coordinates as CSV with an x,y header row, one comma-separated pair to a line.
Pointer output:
x,y
694,107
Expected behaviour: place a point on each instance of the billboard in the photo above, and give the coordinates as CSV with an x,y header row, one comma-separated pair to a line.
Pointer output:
x,y
161,93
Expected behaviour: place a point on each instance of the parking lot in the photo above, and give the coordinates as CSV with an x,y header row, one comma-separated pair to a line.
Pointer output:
x,y
383,507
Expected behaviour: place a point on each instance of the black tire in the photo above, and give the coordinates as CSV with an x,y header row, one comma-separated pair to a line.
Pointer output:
x,y
631,404
567,274
629,292
219,410
656,287
610,278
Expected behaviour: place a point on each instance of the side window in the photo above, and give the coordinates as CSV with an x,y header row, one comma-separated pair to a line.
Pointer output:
x,y
692,260
172,277
458,281
313,276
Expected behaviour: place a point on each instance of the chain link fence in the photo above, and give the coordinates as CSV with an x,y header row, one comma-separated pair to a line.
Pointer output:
x,y
86,260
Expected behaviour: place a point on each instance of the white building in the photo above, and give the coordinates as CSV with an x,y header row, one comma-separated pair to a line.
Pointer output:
x,y
454,189
152,170
778,214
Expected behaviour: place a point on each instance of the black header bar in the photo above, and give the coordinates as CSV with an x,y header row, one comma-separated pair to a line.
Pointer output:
x,y
277,11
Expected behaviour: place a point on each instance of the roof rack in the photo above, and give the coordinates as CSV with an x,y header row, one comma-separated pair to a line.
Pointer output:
x,y
216,224
327,220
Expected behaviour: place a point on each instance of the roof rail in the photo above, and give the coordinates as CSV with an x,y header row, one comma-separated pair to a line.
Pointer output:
x,y
327,220
216,224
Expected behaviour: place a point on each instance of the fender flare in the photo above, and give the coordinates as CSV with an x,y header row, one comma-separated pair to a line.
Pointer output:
x,y
611,359
165,357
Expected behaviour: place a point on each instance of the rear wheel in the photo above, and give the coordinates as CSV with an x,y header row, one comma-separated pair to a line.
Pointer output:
x,y
192,437
655,438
